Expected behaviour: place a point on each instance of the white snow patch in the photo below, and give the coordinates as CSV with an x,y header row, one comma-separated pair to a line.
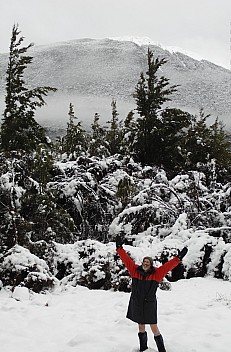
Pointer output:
x,y
194,315
147,41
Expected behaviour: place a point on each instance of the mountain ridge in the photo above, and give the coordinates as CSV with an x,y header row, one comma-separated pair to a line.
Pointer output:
x,y
111,68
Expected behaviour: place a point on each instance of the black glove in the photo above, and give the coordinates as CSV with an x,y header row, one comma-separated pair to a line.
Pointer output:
x,y
182,253
119,241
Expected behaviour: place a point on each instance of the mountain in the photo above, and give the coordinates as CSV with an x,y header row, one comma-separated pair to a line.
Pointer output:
x,y
93,71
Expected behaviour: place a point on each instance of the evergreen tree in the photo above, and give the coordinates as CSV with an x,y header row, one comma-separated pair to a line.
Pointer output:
x,y
19,129
47,221
98,146
129,134
151,93
219,167
125,191
114,134
175,124
220,144
74,142
12,182
42,166
207,148
197,143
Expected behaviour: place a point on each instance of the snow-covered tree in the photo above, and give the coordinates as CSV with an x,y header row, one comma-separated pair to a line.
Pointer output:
x,y
74,142
151,93
97,144
19,130
114,133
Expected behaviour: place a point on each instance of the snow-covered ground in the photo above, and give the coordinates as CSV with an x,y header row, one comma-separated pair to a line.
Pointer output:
x,y
194,316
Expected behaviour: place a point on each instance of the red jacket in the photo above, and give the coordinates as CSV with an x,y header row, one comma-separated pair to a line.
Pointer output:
x,y
142,306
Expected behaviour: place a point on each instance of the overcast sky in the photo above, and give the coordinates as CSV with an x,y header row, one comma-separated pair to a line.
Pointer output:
x,y
199,26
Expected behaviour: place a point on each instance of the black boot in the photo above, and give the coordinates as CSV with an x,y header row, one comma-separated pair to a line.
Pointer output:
x,y
160,343
143,337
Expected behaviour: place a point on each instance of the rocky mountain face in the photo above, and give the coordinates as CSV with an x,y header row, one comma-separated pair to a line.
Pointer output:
x,y
106,68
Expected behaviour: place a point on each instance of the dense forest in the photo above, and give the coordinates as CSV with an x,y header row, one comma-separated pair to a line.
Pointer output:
x,y
160,178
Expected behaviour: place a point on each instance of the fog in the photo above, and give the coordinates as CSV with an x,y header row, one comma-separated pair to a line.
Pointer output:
x,y
55,113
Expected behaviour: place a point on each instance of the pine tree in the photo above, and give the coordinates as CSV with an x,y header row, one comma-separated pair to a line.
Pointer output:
x,y
114,134
151,93
129,134
74,142
47,221
197,142
125,191
220,152
19,129
12,228
175,124
220,144
98,146
42,166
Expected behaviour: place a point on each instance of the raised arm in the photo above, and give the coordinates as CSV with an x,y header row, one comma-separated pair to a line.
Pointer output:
x,y
128,262
162,271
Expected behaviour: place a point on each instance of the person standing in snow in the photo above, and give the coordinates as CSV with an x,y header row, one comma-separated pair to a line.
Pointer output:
x,y
142,308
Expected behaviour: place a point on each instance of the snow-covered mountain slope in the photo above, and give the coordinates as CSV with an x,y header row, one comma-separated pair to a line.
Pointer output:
x,y
111,68
148,41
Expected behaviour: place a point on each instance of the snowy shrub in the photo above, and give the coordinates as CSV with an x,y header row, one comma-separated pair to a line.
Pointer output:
x,y
216,266
83,264
97,266
92,264
90,204
20,267
47,221
121,280
93,199
44,250
39,281
138,219
227,264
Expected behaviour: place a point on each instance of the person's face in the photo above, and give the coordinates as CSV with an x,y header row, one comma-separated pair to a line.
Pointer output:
x,y
146,264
